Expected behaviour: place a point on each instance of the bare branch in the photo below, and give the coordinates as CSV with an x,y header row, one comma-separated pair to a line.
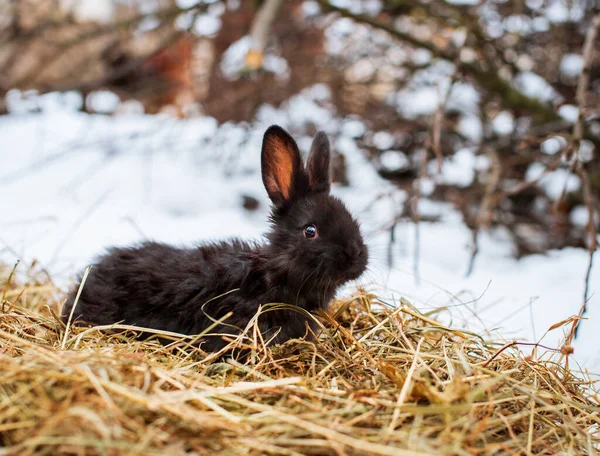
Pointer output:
x,y
584,82
578,131
415,211
438,119
487,206
261,27
592,242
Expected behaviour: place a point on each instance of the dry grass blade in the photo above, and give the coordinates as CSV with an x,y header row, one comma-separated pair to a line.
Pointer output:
x,y
380,380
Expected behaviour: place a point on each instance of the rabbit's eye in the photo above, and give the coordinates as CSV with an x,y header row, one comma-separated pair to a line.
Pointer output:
x,y
310,231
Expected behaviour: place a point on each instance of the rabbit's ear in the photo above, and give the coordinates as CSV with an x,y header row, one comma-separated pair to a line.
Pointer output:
x,y
282,170
318,164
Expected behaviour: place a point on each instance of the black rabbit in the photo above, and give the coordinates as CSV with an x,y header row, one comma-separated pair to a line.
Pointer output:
x,y
314,246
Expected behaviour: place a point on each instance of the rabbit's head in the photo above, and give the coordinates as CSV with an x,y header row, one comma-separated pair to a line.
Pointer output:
x,y
314,239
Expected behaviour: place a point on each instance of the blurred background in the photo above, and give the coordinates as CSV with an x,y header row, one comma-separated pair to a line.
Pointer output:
x,y
466,138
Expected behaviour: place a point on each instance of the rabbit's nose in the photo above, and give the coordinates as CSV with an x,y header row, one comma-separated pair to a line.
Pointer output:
x,y
354,250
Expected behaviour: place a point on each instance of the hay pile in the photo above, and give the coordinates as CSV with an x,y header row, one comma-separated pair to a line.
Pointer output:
x,y
381,380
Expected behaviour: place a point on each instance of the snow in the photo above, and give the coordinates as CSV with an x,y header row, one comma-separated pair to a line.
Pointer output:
x,y
383,140
233,58
555,182
310,8
569,112
459,170
371,7
533,85
517,23
587,150
541,24
216,8
557,11
147,24
90,10
503,123
23,102
276,64
421,57
187,3
468,55
464,98
579,216
103,101
553,145
353,128
184,21
393,160
76,183
360,71
207,25
534,4
342,27
471,128
342,3
560,11
420,102
525,62
571,65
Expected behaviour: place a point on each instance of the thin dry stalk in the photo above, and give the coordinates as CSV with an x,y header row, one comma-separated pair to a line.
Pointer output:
x,y
484,217
70,319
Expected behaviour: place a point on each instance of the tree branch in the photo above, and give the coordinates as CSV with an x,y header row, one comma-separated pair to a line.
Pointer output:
x,y
578,131
584,81
261,26
487,79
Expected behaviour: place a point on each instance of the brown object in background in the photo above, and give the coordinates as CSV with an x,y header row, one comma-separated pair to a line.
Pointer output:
x,y
299,42
163,79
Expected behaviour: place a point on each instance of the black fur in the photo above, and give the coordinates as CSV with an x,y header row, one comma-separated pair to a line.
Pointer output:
x,y
162,287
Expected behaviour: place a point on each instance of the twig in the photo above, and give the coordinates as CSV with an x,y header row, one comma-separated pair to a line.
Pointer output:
x,y
522,186
406,387
487,205
429,321
484,119
593,242
390,251
68,328
563,192
438,119
512,344
8,281
578,131
584,81
415,212
259,33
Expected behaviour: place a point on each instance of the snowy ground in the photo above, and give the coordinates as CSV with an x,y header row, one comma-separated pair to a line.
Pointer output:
x,y
73,184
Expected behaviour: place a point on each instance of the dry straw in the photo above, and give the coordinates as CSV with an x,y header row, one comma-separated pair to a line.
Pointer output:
x,y
380,380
